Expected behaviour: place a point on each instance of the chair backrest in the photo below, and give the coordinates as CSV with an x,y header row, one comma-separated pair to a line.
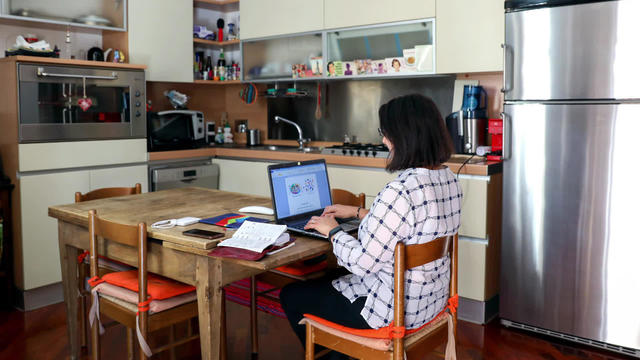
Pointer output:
x,y
108,192
130,235
344,197
410,256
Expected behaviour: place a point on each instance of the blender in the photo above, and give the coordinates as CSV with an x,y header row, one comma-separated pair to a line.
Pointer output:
x,y
468,126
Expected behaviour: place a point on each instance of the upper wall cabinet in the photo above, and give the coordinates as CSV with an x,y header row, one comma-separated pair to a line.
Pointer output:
x,y
468,35
341,13
165,49
260,18
95,14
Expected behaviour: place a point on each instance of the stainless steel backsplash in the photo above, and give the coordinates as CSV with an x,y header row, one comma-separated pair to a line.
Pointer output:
x,y
352,107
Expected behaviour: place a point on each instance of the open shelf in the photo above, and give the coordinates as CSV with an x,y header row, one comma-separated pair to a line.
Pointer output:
x,y
212,82
216,43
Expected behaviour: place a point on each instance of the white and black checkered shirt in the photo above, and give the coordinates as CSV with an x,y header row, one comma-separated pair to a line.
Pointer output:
x,y
420,205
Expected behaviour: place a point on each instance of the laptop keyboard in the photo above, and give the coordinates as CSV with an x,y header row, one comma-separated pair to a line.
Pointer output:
x,y
348,226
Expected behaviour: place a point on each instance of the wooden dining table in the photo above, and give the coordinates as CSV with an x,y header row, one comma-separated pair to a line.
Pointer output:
x,y
170,253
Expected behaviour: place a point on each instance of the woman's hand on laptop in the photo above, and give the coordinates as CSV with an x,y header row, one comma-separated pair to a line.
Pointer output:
x,y
322,224
340,211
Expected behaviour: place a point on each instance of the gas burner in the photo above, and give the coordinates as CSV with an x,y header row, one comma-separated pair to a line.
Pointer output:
x,y
358,149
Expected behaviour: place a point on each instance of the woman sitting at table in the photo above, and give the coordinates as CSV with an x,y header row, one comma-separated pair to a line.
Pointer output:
x,y
420,205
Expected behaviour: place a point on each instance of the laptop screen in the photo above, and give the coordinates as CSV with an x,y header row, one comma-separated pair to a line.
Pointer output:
x,y
299,189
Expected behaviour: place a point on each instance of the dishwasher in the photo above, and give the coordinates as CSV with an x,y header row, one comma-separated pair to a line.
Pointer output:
x,y
184,174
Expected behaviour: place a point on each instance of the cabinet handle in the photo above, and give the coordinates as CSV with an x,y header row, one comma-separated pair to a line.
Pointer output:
x,y
40,72
505,50
506,136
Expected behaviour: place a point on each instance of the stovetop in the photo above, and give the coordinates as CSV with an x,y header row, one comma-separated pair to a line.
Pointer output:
x,y
358,149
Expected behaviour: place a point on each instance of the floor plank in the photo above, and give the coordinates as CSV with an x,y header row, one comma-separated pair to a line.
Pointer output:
x,y
41,335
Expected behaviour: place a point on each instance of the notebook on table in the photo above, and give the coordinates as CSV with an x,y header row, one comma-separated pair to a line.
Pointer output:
x,y
231,220
300,190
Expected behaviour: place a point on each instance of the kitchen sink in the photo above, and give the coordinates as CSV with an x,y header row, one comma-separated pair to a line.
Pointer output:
x,y
288,148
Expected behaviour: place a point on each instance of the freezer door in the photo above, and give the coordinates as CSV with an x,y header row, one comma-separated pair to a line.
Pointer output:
x,y
587,51
570,235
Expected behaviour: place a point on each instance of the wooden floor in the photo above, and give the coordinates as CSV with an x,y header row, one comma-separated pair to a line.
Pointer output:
x,y
41,335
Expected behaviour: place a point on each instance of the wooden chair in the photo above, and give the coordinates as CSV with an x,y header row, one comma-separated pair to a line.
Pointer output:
x,y
279,278
134,236
83,268
415,344
108,192
344,197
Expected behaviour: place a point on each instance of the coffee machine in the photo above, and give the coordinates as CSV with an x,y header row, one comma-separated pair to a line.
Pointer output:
x,y
468,126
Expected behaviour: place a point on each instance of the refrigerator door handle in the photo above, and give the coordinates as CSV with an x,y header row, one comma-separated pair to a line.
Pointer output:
x,y
505,83
506,136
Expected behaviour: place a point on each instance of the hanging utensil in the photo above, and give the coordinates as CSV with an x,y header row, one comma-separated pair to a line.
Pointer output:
x,y
326,101
85,102
319,103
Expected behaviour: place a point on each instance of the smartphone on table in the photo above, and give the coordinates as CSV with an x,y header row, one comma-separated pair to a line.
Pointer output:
x,y
205,234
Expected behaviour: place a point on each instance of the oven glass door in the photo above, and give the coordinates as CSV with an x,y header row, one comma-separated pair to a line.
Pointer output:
x,y
63,103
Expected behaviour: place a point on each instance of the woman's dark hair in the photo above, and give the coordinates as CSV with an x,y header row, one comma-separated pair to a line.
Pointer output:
x,y
413,124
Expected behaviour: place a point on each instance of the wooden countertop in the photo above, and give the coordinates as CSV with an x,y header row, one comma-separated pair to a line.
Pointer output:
x,y
75,62
476,166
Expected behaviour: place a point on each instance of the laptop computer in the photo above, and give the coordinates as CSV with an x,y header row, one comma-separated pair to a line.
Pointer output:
x,y
300,190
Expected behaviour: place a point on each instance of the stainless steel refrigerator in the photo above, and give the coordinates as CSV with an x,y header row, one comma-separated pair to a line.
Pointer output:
x,y
571,211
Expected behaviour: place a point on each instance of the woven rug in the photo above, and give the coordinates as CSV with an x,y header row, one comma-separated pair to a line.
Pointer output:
x,y
239,293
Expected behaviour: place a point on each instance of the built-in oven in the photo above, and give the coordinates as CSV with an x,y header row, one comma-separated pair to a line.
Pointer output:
x,y
66,103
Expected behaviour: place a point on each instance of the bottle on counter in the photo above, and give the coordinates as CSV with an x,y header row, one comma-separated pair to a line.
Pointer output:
x,y
219,138
228,136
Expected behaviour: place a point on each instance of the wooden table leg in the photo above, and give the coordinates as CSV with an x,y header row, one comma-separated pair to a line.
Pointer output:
x,y
68,262
253,317
209,292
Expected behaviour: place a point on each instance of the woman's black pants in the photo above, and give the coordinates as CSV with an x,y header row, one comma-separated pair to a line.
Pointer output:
x,y
318,297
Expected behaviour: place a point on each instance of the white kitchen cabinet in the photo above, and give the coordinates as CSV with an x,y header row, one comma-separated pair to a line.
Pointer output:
x,y
468,36
126,176
40,232
340,13
160,36
480,237
75,154
250,177
40,260
260,18
473,220
247,177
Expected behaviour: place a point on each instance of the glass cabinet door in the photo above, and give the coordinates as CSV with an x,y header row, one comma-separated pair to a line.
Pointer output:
x,y
386,50
103,14
298,56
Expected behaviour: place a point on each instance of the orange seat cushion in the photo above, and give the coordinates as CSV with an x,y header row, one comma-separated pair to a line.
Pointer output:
x,y
158,287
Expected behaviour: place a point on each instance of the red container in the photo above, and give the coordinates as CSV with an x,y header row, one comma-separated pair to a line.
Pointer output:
x,y
495,131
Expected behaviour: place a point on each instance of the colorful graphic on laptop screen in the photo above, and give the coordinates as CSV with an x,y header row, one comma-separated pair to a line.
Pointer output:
x,y
300,189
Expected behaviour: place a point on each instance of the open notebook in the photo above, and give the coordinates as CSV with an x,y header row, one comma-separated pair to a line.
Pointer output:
x,y
256,236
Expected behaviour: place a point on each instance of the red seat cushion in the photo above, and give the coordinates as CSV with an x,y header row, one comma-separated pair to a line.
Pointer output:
x,y
301,269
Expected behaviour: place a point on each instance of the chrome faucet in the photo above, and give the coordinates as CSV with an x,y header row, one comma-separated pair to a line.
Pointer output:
x,y
301,140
